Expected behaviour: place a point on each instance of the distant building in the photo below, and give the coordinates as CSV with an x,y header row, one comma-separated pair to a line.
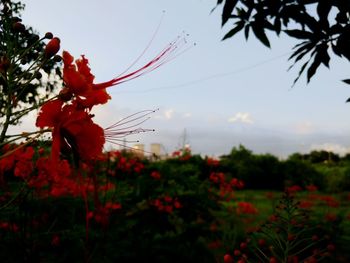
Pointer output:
x,y
156,149
139,149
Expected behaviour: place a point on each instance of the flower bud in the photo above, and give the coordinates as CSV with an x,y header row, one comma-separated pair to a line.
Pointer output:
x,y
48,35
57,58
38,75
228,258
52,47
18,27
4,64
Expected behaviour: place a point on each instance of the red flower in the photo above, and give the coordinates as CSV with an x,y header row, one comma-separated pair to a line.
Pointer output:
x,y
228,258
72,129
305,204
55,241
52,47
155,175
293,189
311,188
24,165
78,81
246,208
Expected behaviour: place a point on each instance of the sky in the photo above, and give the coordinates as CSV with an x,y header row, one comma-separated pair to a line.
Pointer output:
x,y
215,95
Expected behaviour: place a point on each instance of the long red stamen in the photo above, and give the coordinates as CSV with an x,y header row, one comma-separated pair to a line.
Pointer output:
x,y
171,51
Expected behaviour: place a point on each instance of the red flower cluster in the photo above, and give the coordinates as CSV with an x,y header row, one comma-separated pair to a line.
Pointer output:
x,y
226,186
102,214
129,165
20,160
293,189
212,162
246,208
166,203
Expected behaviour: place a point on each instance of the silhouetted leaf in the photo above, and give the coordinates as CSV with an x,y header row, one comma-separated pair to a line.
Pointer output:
x,y
260,34
312,69
300,72
323,9
277,25
300,34
302,51
322,52
347,81
246,31
239,26
227,10
348,100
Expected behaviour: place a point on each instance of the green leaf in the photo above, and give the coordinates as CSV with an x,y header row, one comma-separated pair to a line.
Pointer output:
x,y
234,30
227,10
347,81
260,34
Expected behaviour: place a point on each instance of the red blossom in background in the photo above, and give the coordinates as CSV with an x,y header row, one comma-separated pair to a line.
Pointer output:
x,y
212,162
246,208
293,189
155,175
166,204
306,204
24,165
311,188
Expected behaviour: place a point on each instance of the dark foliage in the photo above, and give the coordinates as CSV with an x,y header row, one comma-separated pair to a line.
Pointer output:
x,y
23,66
321,26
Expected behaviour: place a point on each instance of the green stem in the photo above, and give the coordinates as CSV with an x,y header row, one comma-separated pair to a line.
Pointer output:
x,y
26,111
7,119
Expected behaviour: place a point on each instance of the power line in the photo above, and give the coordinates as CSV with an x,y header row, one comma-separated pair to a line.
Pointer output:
x,y
203,79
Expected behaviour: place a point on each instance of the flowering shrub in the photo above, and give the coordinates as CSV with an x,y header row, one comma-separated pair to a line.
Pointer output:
x,y
289,235
66,200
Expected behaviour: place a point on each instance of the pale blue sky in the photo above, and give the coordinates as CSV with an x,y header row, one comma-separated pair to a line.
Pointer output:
x,y
252,104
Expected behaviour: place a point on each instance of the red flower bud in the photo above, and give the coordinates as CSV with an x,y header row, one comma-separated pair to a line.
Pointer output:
x,y
243,245
18,27
4,64
261,242
331,247
228,258
52,47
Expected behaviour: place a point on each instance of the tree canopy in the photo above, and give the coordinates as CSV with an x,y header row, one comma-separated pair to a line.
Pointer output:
x,y
321,26
24,67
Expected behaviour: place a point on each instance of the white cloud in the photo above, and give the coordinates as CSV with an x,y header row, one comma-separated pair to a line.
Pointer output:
x,y
331,147
304,128
187,115
243,117
169,114
166,114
